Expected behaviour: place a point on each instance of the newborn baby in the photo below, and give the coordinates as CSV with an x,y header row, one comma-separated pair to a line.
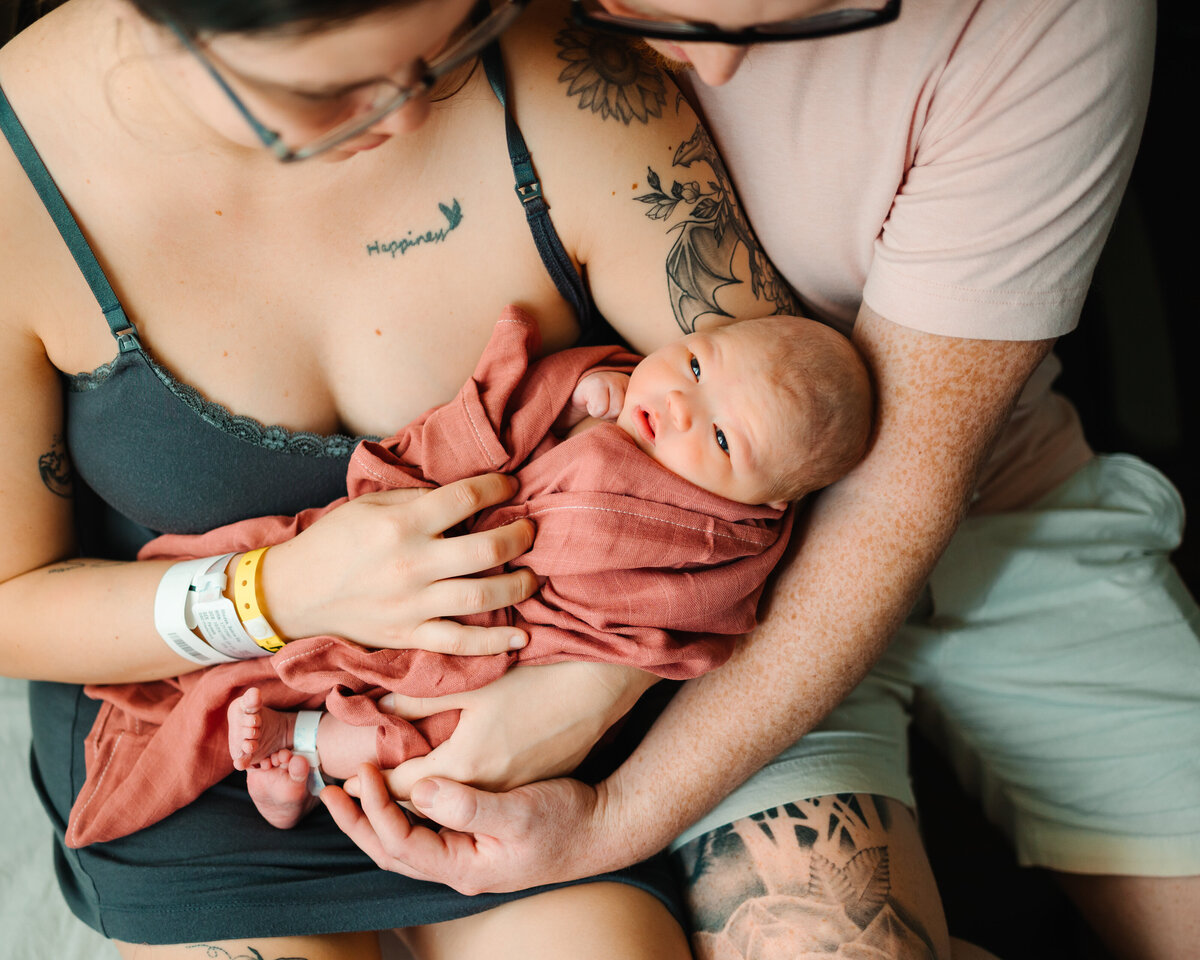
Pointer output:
x,y
659,516
758,412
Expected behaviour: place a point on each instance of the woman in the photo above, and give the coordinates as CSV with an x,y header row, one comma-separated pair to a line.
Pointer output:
x,y
265,315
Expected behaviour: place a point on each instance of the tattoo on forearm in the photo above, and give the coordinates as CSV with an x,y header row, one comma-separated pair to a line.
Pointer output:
x,y
54,467
712,228
453,215
68,565
610,77
800,879
212,950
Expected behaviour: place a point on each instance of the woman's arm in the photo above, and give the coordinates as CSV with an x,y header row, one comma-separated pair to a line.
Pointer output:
x,y
77,619
869,544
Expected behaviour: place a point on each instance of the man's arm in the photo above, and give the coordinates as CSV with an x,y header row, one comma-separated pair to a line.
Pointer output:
x,y
869,544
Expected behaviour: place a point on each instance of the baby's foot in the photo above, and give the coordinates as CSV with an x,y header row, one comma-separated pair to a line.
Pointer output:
x,y
278,786
256,732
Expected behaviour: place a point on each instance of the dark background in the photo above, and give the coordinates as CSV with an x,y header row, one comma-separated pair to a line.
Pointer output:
x,y
1130,368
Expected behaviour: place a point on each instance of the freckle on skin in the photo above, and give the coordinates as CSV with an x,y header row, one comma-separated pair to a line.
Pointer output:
x,y
378,332
218,213
634,187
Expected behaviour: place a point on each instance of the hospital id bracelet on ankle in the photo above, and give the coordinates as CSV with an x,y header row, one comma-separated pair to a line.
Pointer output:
x,y
171,613
215,615
248,595
304,744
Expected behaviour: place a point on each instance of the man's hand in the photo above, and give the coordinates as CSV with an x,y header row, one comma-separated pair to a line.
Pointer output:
x,y
545,832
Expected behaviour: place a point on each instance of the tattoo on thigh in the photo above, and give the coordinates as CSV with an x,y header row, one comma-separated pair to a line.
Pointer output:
x,y
707,236
610,77
54,466
220,953
799,880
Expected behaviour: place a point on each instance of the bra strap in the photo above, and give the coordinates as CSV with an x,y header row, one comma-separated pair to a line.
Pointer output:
x,y
122,329
537,212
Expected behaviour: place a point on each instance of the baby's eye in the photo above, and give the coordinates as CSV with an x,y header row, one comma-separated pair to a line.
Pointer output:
x,y
695,364
719,435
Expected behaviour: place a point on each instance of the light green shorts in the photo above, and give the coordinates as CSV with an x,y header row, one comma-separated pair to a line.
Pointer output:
x,y
1055,658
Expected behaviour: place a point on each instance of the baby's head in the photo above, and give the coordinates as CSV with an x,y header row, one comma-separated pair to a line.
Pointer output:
x,y
761,411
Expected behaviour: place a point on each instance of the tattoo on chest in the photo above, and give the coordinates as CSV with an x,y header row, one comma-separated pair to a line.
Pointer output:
x,y
804,878
610,77
708,231
54,467
453,217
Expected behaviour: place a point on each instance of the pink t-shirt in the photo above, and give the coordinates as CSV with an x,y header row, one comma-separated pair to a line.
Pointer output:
x,y
958,170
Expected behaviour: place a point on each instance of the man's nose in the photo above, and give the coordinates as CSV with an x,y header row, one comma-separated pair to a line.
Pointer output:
x,y
715,63
677,410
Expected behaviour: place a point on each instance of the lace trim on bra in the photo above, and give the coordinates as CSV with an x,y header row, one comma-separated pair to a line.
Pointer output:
x,y
276,438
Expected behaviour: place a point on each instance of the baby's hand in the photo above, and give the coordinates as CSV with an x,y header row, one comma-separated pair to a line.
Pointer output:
x,y
600,395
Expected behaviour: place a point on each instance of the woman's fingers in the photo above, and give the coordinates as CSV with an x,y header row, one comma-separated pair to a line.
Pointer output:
x,y
480,551
441,509
466,595
460,640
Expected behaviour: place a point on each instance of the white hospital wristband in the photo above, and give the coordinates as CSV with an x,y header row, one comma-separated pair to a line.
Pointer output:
x,y
216,616
170,613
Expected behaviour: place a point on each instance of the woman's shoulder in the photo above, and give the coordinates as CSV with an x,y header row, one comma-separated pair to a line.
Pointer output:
x,y
594,90
635,186
49,90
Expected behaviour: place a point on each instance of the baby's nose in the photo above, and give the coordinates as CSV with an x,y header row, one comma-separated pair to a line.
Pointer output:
x,y
677,408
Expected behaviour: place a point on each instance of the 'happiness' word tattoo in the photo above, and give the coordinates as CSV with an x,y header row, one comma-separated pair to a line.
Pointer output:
x,y
453,215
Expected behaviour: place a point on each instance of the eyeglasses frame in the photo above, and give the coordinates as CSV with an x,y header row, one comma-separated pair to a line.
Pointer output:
x,y
470,45
828,24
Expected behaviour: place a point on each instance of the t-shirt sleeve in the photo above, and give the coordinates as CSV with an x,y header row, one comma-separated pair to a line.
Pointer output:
x,y
1017,171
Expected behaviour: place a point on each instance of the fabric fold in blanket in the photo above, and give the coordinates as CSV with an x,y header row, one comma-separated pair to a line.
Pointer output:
x,y
636,566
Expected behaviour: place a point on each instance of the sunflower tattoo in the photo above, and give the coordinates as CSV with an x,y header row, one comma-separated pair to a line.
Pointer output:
x,y
609,77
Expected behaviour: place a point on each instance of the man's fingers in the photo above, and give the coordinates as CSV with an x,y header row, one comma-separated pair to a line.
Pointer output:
x,y
441,509
459,807
378,827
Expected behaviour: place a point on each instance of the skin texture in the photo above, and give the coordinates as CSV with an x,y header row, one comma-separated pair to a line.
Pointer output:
x,y
311,326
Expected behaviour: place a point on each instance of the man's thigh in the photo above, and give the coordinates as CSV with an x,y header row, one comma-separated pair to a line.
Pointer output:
x,y
813,876
1059,669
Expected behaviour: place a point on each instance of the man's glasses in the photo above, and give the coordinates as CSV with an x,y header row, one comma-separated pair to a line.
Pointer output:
x,y
384,97
843,19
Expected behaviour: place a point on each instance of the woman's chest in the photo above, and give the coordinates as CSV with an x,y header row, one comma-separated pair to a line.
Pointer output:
x,y
345,304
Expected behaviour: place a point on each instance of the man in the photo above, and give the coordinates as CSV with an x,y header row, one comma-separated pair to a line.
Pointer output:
x,y
941,185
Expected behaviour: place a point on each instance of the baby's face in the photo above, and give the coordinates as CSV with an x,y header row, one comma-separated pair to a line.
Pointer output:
x,y
699,407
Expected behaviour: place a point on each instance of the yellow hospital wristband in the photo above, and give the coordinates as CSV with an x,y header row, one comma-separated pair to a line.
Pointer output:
x,y
248,599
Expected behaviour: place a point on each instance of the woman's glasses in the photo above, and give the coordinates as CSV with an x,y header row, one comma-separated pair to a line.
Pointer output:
x,y
846,16
380,99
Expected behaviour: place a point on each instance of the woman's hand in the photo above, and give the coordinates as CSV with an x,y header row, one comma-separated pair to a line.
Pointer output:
x,y
379,571
532,723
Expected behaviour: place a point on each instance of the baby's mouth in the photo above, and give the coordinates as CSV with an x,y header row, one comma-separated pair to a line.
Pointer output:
x,y
644,424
